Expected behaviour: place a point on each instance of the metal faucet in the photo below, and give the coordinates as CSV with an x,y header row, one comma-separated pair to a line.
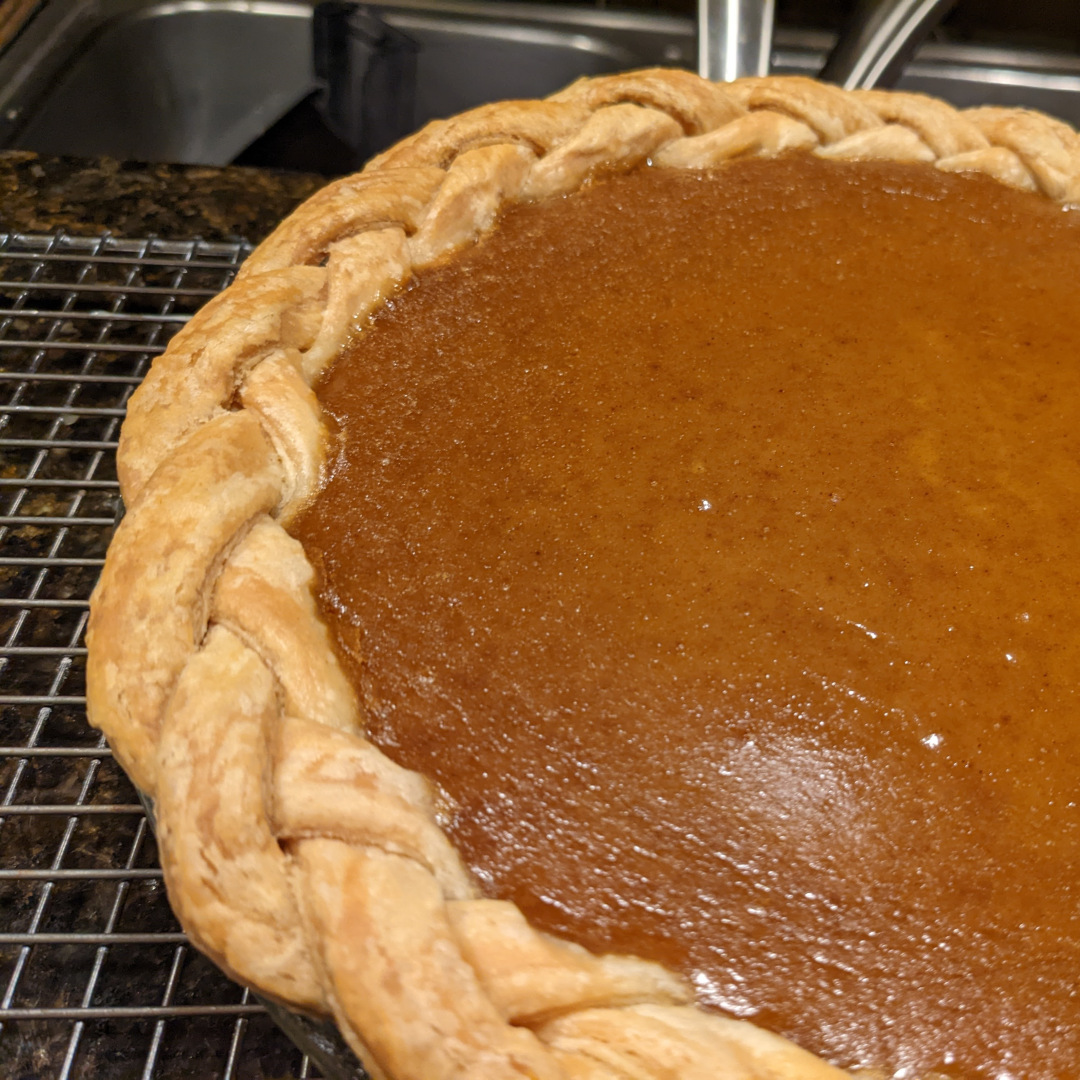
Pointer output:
x,y
735,39
881,39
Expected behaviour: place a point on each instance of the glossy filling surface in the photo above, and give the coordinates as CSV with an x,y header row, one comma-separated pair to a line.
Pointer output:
x,y
711,539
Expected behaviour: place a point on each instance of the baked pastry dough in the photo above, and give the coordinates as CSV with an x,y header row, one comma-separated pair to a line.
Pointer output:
x,y
298,856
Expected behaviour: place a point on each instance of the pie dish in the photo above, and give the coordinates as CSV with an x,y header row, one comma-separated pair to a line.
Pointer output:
x,y
297,855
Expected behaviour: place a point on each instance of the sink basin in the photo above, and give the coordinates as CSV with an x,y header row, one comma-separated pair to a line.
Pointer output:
x,y
179,82
198,81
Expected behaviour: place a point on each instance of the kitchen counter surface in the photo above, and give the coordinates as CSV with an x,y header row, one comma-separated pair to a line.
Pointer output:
x,y
225,1034
87,197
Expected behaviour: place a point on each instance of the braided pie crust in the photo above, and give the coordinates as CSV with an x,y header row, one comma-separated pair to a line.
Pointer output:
x,y
300,858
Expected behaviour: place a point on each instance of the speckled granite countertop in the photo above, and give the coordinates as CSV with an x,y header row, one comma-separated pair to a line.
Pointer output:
x,y
87,197
218,1038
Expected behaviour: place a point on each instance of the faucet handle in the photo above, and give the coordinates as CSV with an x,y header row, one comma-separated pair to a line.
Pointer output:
x,y
880,39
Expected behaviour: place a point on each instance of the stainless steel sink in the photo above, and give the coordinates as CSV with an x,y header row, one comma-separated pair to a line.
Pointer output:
x,y
183,81
196,81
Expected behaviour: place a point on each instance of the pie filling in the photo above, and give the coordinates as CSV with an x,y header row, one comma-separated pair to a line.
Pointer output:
x,y
712,540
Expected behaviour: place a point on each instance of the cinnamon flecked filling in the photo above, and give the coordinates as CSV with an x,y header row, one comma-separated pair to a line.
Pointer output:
x,y
713,539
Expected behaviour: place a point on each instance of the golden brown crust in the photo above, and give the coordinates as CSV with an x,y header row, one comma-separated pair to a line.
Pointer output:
x,y
296,854
206,363
697,105
477,185
537,125
356,204
150,606
215,833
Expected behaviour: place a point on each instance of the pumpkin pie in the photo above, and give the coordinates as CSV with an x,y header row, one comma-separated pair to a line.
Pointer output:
x,y
596,593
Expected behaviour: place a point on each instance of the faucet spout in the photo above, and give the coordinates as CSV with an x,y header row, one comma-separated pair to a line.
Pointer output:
x,y
734,38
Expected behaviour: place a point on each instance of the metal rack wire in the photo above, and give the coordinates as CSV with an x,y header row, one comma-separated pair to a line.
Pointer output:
x,y
96,979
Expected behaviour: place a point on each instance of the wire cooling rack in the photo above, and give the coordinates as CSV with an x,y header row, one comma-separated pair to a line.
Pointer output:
x,y
96,978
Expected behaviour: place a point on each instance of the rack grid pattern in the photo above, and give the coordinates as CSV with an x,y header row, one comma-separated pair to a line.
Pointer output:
x,y
96,978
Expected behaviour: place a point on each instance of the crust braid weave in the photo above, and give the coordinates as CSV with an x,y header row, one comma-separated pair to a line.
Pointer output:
x,y
297,855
